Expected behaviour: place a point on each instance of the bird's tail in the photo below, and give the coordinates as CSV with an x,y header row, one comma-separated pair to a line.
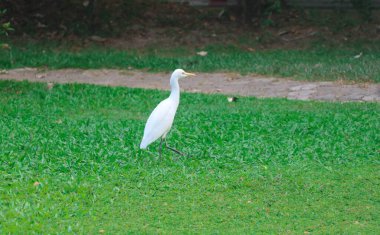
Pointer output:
x,y
143,144
146,141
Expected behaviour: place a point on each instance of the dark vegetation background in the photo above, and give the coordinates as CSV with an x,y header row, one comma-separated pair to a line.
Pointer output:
x,y
270,23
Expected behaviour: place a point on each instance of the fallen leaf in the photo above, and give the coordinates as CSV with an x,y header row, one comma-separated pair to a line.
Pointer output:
x,y
251,49
5,46
282,33
50,85
232,99
41,25
202,53
358,55
97,39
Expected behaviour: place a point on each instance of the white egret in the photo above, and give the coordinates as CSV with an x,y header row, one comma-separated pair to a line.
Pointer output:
x,y
161,119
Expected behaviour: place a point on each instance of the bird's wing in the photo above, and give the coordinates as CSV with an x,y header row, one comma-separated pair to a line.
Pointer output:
x,y
159,122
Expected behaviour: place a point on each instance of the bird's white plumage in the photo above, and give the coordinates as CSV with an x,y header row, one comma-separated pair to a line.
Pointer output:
x,y
161,119
159,122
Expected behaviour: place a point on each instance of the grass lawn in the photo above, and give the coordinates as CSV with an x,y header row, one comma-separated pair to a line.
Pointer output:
x,y
258,165
318,62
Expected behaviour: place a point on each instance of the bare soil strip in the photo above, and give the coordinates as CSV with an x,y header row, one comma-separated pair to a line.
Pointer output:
x,y
224,83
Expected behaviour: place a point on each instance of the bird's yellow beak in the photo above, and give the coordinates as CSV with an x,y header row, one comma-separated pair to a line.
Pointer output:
x,y
189,74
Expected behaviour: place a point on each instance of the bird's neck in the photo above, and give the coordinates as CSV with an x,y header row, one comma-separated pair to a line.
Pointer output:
x,y
175,90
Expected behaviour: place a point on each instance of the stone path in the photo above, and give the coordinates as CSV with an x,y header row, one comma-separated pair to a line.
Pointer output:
x,y
225,83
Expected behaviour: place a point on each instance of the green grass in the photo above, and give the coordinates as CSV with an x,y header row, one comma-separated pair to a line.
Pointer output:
x,y
318,62
257,166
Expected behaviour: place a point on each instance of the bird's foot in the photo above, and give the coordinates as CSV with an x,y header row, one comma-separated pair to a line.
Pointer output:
x,y
175,150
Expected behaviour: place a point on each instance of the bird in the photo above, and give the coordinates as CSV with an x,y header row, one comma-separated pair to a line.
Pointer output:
x,y
161,119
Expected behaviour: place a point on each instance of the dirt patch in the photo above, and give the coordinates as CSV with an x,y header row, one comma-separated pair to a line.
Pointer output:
x,y
224,83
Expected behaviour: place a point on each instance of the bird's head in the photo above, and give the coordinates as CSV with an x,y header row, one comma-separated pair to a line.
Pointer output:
x,y
180,73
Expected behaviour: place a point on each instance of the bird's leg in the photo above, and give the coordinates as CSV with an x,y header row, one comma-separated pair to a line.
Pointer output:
x,y
160,149
173,149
